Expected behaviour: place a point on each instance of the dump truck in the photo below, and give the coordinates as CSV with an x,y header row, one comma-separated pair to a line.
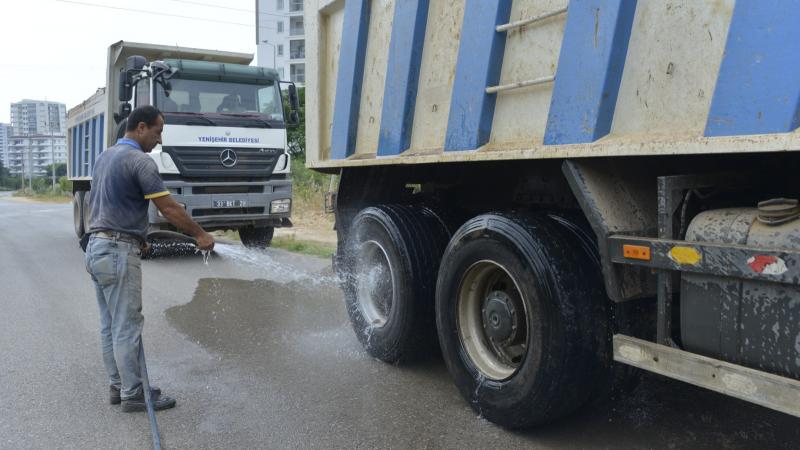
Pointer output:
x,y
555,193
224,153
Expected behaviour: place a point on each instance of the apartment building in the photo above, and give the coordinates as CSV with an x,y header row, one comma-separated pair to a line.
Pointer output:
x,y
280,38
30,155
30,117
37,138
5,132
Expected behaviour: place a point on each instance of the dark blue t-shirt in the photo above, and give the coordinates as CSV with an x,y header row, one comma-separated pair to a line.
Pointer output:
x,y
123,181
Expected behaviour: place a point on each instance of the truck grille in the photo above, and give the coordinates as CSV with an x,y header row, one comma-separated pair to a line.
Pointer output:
x,y
207,162
235,189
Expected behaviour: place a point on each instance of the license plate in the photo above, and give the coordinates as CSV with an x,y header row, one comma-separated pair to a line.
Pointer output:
x,y
230,203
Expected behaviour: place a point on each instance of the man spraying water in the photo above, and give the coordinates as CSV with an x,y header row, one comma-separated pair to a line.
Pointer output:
x,y
124,181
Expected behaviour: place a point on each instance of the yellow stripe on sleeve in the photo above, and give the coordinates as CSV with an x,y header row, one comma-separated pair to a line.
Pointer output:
x,y
156,195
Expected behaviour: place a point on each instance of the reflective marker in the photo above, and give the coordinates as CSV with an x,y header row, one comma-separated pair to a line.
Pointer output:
x,y
641,252
685,255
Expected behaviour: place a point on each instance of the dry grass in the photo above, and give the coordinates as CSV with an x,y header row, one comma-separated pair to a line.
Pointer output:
x,y
310,219
42,197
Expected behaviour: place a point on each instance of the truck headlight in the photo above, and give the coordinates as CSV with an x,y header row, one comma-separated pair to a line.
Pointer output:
x,y
280,206
282,165
167,162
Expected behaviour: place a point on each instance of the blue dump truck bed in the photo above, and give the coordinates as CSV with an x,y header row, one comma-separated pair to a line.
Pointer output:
x,y
554,190
428,81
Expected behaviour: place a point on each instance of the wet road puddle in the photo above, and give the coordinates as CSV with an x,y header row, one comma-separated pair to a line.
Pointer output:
x,y
241,317
295,337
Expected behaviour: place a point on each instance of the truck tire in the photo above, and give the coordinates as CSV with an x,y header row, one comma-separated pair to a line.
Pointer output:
x,y
256,237
77,213
521,317
391,257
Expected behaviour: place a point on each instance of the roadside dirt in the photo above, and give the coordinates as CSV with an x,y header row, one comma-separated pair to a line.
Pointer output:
x,y
310,225
33,199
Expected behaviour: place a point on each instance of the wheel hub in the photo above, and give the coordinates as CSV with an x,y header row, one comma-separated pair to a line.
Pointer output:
x,y
492,320
499,317
374,283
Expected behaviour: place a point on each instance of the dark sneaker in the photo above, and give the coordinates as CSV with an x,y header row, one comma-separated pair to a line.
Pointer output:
x,y
137,403
115,399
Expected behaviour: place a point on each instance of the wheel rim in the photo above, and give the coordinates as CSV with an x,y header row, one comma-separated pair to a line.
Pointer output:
x,y
492,320
375,283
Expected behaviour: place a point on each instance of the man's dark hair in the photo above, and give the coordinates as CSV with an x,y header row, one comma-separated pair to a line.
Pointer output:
x,y
147,114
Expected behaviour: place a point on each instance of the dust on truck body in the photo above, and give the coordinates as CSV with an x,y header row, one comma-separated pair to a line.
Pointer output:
x,y
558,191
223,155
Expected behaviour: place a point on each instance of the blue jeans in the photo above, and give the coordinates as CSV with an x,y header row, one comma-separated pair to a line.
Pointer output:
x,y
116,271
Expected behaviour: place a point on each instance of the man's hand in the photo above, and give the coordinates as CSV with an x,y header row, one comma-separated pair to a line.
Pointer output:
x,y
205,241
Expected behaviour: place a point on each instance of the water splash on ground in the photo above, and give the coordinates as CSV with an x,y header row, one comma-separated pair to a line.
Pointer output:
x,y
267,261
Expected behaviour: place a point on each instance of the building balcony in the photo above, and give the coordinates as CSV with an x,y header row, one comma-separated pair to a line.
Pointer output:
x,y
295,7
297,49
296,26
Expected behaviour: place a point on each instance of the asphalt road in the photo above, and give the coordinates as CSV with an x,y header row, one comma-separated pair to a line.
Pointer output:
x,y
258,350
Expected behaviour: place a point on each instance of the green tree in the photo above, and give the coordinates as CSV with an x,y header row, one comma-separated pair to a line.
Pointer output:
x,y
61,170
65,185
41,184
4,175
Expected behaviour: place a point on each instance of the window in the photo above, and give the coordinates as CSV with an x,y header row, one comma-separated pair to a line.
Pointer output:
x,y
269,102
295,5
280,50
280,26
298,73
297,49
281,73
296,26
227,97
279,5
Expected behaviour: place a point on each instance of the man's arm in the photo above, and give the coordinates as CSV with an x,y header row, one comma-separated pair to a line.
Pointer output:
x,y
177,216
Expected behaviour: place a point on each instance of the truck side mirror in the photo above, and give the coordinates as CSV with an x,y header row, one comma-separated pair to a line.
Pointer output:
x,y
294,103
125,88
132,64
293,99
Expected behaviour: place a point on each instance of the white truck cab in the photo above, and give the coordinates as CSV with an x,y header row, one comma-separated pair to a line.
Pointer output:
x,y
223,155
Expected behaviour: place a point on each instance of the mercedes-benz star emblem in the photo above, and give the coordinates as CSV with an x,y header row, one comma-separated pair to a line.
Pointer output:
x,y
228,158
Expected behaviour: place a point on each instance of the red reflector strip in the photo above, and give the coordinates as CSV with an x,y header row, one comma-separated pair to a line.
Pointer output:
x,y
641,252
767,264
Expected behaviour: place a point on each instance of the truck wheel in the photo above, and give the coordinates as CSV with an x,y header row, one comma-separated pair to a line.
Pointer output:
x,y
77,213
516,311
256,237
391,256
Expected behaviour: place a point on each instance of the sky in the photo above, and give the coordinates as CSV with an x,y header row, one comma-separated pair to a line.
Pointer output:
x,y
56,49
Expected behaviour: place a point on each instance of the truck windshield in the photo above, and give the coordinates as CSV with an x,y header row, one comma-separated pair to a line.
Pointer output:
x,y
200,96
